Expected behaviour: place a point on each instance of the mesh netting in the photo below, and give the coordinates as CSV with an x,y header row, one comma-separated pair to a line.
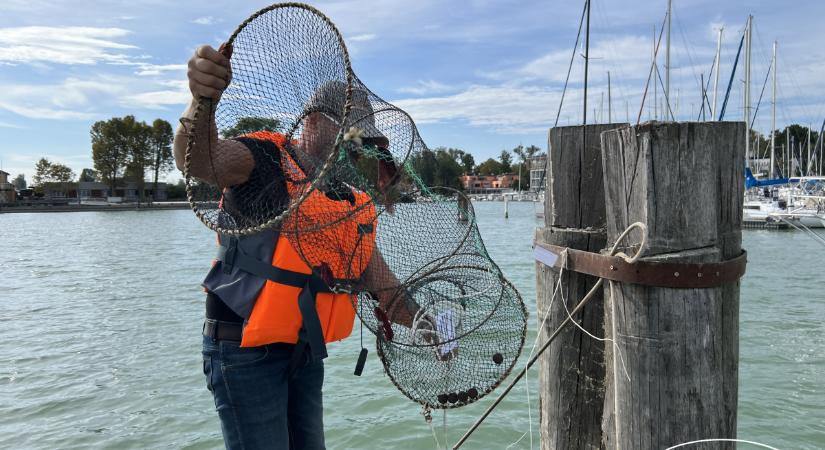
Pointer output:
x,y
340,183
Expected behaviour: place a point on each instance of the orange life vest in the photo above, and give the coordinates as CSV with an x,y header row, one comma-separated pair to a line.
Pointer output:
x,y
276,316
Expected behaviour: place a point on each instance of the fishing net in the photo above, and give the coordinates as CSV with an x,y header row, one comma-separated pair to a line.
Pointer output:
x,y
342,186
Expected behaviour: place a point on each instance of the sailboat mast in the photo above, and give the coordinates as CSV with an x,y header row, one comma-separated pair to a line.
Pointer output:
x,y
667,55
773,116
609,99
586,67
714,112
655,78
748,92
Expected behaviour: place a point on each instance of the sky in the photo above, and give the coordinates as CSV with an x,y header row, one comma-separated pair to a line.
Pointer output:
x,y
474,74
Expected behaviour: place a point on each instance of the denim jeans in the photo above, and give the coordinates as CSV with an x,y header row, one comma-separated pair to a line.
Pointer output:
x,y
260,405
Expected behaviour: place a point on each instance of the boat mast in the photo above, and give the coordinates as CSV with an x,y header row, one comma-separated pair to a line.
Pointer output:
x,y
808,162
713,114
748,92
655,78
667,56
773,115
586,67
609,99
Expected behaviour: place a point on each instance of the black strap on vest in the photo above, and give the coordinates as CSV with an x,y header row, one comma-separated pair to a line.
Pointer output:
x,y
311,335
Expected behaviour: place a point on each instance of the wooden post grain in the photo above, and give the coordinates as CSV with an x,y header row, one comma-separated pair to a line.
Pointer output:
x,y
572,370
679,347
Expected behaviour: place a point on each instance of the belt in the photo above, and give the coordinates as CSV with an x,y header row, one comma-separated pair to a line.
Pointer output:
x,y
222,331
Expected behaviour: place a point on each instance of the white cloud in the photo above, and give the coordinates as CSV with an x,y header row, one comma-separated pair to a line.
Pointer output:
x,y
362,37
426,87
208,20
157,69
62,45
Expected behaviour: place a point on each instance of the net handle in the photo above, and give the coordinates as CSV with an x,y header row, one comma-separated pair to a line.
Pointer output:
x,y
206,103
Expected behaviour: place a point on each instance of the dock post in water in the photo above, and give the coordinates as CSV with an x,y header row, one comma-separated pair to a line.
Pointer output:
x,y
571,372
679,346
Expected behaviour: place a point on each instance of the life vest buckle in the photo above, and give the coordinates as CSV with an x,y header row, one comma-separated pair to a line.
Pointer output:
x,y
341,289
230,255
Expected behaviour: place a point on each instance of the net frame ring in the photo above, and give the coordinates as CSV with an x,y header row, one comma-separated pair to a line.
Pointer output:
x,y
206,105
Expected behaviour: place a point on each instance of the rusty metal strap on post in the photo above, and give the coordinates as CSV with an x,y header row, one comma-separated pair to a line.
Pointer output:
x,y
648,273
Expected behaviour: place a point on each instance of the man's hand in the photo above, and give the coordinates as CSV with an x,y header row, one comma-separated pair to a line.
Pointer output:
x,y
209,71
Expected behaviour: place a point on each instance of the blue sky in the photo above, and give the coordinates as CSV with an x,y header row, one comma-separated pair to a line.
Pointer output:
x,y
478,75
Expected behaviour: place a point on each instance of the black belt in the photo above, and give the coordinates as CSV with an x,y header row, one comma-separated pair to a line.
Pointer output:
x,y
223,331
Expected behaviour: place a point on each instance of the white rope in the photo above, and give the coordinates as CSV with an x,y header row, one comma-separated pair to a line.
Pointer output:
x,y
723,440
556,290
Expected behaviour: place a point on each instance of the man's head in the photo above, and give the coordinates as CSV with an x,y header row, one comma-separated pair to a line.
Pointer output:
x,y
324,117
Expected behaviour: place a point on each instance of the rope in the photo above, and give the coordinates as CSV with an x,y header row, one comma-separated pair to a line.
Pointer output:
x,y
614,251
722,440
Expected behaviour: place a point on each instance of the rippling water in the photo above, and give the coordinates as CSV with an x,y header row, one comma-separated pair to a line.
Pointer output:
x,y
100,341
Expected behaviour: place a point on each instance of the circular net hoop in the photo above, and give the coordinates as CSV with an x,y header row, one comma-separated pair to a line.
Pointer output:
x,y
349,199
281,56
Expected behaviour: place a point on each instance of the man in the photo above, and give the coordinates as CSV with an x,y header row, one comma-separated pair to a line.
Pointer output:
x,y
264,336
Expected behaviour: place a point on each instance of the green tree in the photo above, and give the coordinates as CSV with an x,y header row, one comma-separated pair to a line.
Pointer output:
x,y
19,182
60,173
248,125
468,163
160,145
490,167
42,172
506,160
87,175
425,165
448,170
110,151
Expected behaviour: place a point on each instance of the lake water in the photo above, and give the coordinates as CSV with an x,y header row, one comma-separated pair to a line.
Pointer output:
x,y
100,340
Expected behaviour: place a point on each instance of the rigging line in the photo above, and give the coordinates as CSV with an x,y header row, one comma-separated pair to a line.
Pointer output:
x,y
650,73
705,91
687,49
756,111
615,68
732,76
570,67
659,76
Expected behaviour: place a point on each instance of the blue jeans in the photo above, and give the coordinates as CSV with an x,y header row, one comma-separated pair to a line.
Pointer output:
x,y
261,405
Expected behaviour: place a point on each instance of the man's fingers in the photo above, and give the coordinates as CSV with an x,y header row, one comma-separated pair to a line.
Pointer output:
x,y
206,79
226,50
200,90
213,55
208,67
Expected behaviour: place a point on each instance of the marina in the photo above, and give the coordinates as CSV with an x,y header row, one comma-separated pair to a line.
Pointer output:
x,y
97,346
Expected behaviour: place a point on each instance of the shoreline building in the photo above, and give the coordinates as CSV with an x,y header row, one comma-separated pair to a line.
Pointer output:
x,y
7,193
489,184
538,166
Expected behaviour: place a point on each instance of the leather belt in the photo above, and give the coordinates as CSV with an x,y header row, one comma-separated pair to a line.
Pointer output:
x,y
649,273
222,331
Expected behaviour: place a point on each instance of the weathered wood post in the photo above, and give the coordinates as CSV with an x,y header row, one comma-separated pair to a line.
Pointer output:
x,y
572,370
680,346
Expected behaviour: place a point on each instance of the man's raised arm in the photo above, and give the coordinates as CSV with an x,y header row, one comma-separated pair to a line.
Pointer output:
x,y
216,161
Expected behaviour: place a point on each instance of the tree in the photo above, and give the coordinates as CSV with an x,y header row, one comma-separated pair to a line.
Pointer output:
x,y
468,163
160,144
87,175
109,149
19,182
448,170
42,172
506,160
490,167
248,125
60,173
425,165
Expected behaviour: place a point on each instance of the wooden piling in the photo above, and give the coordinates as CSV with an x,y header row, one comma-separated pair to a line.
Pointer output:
x,y
680,347
572,370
